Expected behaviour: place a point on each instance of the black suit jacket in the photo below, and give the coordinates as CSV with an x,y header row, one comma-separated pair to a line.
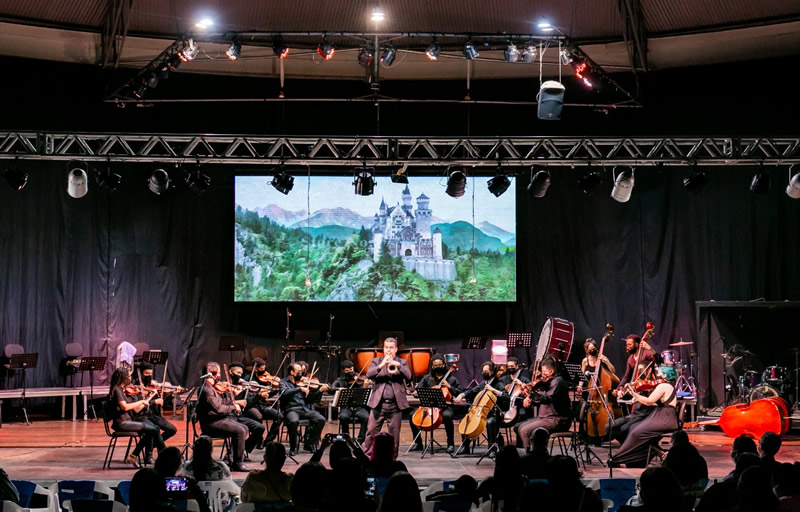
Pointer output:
x,y
382,378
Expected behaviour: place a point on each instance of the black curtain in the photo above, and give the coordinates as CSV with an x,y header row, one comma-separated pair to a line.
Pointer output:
x,y
134,266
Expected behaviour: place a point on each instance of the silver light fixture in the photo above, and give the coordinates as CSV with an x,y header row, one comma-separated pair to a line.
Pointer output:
x,y
540,182
470,51
364,182
158,182
456,183
511,53
623,185
77,183
793,188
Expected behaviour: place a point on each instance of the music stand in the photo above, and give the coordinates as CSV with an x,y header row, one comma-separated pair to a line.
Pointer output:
x,y
474,343
24,362
155,357
429,398
577,376
352,398
231,344
90,364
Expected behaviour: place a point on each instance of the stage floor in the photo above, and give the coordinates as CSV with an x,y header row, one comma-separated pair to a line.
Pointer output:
x,y
50,450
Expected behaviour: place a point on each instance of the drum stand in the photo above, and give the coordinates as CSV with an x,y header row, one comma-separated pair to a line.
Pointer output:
x,y
796,406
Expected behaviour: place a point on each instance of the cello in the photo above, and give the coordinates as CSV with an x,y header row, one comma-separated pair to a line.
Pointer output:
x,y
430,418
474,423
753,419
599,413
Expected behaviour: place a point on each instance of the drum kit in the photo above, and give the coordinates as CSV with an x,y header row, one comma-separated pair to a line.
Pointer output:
x,y
774,381
685,385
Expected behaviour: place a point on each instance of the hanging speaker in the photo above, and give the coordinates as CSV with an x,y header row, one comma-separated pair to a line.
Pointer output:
x,y
551,99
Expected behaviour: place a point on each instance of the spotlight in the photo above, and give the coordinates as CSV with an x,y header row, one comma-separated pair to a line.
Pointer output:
x,y
140,91
566,56
158,182
400,176
365,56
189,52
389,53
760,183
279,49
529,53
696,181
581,73
793,188
198,182
77,183
433,51
16,178
540,182
378,14
456,183
470,52
204,23
234,50
498,185
108,180
511,53
283,182
163,70
364,182
589,182
545,26
175,62
326,49
623,186
151,80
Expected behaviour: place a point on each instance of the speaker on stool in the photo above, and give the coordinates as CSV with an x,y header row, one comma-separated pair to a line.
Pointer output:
x,y
551,99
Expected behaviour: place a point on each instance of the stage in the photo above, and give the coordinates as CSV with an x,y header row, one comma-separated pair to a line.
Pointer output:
x,y
50,450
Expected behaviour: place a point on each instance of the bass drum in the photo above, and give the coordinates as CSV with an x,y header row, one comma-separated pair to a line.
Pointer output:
x,y
556,339
418,359
775,375
764,391
362,357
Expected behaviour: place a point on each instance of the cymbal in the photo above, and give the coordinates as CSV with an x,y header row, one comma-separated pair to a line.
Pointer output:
x,y
681,344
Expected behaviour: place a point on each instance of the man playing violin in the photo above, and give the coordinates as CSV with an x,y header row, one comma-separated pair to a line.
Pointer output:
x,y
257,407
155,412
217,412
433,379
509,381
551,392
297,399
388,399
242,395
348,415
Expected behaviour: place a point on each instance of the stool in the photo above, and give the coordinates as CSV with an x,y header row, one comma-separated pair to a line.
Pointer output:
x,y
683,403
301,432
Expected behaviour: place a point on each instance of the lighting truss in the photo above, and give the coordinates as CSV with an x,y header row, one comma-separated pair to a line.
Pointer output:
x,y
433,152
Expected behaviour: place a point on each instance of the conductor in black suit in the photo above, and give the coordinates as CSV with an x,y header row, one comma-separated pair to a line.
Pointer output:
x,y
388,399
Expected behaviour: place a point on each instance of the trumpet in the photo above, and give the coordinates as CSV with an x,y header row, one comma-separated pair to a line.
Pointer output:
x,y
393,367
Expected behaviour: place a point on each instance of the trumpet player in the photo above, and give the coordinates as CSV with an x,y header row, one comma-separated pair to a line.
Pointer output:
x,y
388,399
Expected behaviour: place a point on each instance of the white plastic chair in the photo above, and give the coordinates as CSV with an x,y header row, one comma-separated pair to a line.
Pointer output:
x,y
10,506
52,502
432,488
63,492
223,495
245,507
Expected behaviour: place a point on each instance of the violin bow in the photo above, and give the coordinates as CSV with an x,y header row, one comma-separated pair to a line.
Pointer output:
x,y
164,380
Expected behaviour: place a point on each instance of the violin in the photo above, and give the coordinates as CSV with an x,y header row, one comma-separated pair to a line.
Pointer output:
x,y
226,387
312,383
266,378
165,386
133,390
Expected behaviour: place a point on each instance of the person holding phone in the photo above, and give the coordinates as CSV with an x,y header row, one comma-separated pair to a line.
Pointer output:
x,y
272,484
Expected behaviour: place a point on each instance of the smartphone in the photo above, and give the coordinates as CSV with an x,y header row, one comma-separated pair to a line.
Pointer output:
x,y
176,485
372,487
337,437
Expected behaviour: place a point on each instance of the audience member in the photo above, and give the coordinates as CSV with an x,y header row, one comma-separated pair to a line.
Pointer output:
x,y
688,466
347,483
506,484
463,494
754,491
203,467
8,492
787,488
401,495
534,462
659,491
537,497
768,447
148,493
308,487
722,495
742,444
382,463
168,464
565,481
272,484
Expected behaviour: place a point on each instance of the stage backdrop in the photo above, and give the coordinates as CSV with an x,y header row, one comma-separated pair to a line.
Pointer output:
x,y
157,269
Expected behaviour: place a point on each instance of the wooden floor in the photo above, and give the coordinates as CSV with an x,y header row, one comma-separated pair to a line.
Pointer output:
x,y
50,450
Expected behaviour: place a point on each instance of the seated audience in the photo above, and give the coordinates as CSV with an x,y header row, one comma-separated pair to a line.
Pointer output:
x,y
768,447
463,495
168,464
506,484
203,467
688,466
565,481
754,491
148,493
382,463
722,495
659,491
346,486
787,488
534,462
401,495
308,487
742,444
8,492
272,484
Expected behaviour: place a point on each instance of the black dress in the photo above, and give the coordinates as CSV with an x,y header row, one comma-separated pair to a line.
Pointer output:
x,y
662,419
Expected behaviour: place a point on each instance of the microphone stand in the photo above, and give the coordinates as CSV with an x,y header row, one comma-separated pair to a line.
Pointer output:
x,y
330,334
191,417
288,317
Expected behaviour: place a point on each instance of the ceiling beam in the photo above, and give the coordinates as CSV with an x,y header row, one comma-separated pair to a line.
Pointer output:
x,y
114,31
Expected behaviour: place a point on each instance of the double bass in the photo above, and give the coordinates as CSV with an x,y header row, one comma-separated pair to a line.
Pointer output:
x,y
641,376
599,412
430,418
753,419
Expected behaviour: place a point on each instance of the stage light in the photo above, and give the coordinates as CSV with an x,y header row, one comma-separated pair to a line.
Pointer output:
x,y
377,14
470,52
540,182
456,183
204,23
389,53
283,182
498,185
511,53
566,56
793,188
108,180
589,182
175,62
197,182
365,56
364,182
151,80
623,186
696,181
326,49
189,51
77,183
433,51
760,183
140,91
158,182
529,53
279,49
581,73
16,178
235,50
545,26
400,176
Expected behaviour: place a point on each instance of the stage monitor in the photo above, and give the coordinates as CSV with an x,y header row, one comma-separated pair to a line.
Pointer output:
x,y
404,243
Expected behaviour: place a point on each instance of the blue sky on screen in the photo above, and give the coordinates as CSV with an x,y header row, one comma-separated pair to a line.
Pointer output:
x,y
337,192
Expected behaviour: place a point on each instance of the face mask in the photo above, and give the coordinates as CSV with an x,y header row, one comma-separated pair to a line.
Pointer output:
x,y
147,379
592,351
438,369
511,371
262,372
349,375
487,376
235,378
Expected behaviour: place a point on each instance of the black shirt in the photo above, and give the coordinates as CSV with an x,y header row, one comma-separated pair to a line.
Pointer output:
x,y
213,405
554,399
292,397
430,381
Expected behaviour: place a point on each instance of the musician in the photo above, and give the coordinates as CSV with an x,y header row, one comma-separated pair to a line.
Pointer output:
x,y
491,382
297,399
523,413
388,399
589,363
621,426
551,392
661,419
218,415
348,415
254,426
155,411
129,414
257,407
436,378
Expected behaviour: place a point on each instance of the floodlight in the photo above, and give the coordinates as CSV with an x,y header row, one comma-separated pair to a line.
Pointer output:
x,y
433,51
511,53
623,186
77,183
793,188
158,182
389,53
326,49
498,185
760,183
364,182
198,182
456,183
470,52
283,182
540,182
234,50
